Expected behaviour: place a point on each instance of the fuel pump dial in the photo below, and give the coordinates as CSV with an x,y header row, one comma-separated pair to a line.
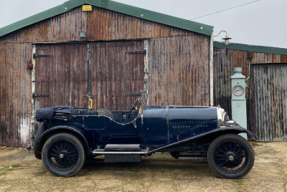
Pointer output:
x,y
238,90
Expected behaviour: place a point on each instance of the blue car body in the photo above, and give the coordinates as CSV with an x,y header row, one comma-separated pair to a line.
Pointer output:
x,y
153,127
121,136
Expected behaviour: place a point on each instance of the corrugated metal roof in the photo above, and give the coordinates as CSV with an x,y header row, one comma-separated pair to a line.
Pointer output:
x,y
251,48
113,6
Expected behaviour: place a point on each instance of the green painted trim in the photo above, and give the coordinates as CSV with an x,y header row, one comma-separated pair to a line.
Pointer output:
x,y
113,6
251,48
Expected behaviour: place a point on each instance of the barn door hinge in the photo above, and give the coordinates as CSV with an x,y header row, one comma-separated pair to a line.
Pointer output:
x,y
86,96
34,95
35,56
137,52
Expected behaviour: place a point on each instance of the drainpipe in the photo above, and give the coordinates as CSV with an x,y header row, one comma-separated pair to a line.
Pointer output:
x,y
249,61
211,70
250,56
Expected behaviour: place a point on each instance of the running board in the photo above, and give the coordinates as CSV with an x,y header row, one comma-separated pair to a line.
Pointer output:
x,y
121,149
103,152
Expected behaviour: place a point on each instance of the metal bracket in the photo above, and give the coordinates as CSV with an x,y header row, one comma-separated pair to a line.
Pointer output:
x,y
135,95
137,52
35,56
34,95
86,96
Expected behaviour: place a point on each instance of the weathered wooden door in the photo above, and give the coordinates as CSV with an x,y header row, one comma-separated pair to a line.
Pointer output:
x,y
116,73
106,71
61,76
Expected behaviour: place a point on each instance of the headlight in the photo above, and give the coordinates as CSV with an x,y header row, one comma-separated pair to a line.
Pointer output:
x,y
221,116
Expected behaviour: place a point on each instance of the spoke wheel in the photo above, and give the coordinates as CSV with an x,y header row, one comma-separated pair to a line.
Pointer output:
x,y
230,156
63,155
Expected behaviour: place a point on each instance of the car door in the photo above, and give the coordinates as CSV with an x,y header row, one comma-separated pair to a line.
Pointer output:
x,y
153,126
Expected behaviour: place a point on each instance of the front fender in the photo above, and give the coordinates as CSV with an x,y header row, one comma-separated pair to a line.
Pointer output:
x,y
208,136
59,129
238,129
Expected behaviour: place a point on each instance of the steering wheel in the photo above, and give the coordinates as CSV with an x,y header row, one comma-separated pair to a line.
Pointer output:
x,y
134,107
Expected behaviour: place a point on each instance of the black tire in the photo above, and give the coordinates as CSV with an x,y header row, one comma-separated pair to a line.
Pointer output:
x,y
63,155
230,156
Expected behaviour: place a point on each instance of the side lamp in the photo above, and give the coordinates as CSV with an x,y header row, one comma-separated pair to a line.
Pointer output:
x,y
225,39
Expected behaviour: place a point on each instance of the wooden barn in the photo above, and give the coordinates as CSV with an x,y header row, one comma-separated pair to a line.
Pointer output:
x,y
267,106
105,51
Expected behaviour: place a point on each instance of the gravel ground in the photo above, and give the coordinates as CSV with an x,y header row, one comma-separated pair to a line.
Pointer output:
x,y
21,171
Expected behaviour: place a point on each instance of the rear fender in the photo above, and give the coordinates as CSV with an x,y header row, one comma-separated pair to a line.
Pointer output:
x,y
207,137
60,129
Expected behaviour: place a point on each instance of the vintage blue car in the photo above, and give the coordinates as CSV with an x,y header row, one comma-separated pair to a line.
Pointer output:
x,y
65,137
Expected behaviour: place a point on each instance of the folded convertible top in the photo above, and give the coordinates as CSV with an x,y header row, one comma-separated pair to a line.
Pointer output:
x,y
46,114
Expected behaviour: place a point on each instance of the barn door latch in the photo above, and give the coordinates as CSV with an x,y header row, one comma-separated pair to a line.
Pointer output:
x,y
34,95
87,96
137,52
35,56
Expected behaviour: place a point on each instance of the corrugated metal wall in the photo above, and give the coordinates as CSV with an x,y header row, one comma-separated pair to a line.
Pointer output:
x,y
269,102
101,25
225,60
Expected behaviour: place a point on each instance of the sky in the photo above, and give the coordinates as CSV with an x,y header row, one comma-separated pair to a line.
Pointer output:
x,y
259,22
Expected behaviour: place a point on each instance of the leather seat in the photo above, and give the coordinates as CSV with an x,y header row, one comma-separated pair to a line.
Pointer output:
x,y
105,112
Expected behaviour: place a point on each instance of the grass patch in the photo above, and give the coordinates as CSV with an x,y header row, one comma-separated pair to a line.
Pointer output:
x,y
2,172
9,149
240,187
15,165
135,176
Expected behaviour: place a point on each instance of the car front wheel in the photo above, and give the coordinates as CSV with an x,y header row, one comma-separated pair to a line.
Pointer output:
x,y
63,155
230,156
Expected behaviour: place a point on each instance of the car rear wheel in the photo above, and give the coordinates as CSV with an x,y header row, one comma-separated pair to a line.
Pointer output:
x,y
230,156
63,155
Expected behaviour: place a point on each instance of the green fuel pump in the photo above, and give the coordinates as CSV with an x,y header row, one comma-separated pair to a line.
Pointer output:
x,y
238,101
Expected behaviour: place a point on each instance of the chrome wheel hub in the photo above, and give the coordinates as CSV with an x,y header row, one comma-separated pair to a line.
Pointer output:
x,y
61,156
231,158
